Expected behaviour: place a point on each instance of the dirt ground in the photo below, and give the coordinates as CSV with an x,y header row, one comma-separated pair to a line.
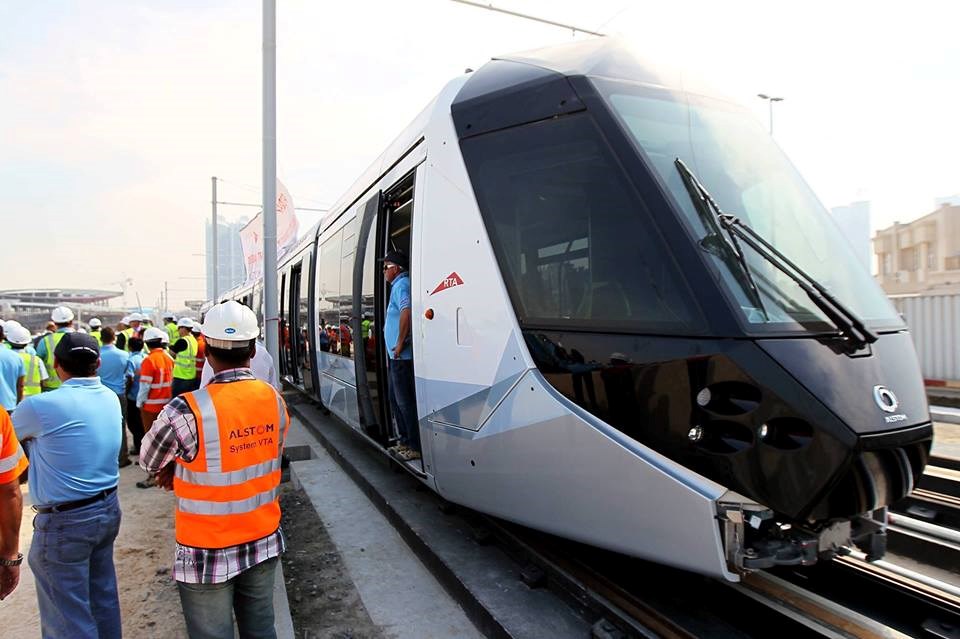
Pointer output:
x,y
323,600
143,555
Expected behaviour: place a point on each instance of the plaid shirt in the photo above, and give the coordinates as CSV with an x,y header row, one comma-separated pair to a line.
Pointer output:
x,y
173,435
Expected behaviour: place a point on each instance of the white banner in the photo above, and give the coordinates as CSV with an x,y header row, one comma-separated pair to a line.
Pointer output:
x,y
251,236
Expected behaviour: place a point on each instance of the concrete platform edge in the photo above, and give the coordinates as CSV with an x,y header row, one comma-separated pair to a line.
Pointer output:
x,y
945,414
282,621
478,614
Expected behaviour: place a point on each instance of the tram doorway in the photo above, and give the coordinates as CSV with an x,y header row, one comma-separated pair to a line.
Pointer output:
x,y
387,225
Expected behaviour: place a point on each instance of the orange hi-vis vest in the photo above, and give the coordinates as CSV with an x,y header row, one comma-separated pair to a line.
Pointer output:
x,y
228,495
157,372
201,354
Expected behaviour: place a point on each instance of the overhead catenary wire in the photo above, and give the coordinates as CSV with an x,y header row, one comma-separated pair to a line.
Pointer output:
x,y
525,16
256,190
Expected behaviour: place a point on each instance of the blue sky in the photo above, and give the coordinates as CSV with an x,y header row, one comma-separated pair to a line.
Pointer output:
x,y
116,113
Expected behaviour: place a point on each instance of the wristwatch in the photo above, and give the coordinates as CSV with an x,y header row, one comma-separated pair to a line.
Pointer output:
x,y
12,562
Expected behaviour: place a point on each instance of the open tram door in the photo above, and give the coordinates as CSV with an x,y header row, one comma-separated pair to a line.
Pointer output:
x,y
386,224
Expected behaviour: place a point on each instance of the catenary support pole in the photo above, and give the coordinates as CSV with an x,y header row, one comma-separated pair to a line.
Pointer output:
x,y
270,176
213,231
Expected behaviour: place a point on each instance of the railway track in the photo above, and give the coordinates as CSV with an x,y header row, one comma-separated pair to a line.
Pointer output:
x,y
925,525
627,597
847,597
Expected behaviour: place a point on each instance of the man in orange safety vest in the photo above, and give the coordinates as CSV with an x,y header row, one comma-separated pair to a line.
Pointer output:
x,y
219,448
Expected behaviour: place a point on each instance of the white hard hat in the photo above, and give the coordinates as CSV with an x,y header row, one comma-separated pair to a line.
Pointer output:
x,y
61,315
136,317
185,322
230,325
169,315
9,325
125,320
95,323
153,333
16,334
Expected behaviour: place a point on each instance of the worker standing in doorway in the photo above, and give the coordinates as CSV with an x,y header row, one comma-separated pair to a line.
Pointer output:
x,y
397,338
62,317
228,542
184,350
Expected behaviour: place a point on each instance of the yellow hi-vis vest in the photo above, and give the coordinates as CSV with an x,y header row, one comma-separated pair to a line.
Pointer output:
x,y
50,341
172,331
96,335
127,334
185,364
31,379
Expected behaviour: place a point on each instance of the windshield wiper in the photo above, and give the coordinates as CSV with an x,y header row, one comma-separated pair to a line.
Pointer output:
x,y
717,241
850,326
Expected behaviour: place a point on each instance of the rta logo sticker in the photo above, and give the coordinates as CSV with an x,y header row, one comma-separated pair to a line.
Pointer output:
x,y
448,282
885,398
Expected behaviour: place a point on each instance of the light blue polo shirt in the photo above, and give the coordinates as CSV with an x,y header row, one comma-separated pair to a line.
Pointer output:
x,y
399,300
114,368
9,374
136,361
72,436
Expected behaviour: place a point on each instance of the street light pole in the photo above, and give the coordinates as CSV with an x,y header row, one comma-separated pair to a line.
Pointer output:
x,y
216,254
270,177
770,100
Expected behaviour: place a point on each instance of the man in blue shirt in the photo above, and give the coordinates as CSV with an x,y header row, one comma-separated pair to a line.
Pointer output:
x,y
73,437
116,373
396,336
12,371
134,418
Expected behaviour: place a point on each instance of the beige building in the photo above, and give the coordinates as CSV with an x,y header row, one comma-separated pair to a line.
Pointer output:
x,y
921,256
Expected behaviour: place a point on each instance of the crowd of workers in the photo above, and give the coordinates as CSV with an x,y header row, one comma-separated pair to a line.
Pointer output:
x,y
202,406
68,400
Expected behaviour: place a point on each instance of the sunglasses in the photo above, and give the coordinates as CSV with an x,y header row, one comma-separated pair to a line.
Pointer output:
x,y
387,267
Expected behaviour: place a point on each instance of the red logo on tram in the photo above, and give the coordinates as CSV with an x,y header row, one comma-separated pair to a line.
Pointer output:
x,y
448,282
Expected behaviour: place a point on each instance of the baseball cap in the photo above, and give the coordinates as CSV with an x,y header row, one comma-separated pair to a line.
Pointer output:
x,y
77,348
396,257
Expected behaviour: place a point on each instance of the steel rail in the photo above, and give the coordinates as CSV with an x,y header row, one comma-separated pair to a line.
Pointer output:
x,y
593,589
810,609
916,525
932,590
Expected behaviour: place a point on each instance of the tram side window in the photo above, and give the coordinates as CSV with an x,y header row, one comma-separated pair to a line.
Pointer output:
x,y
571,237
304,343
286,359
345,338
328,290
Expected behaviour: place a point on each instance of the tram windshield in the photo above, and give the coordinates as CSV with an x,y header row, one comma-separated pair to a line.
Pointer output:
x,y
736,160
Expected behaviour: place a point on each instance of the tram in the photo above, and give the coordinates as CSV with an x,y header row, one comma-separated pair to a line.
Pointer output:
x,y
634,325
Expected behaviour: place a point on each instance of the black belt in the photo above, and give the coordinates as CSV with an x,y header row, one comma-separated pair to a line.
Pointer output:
x,y
73,505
